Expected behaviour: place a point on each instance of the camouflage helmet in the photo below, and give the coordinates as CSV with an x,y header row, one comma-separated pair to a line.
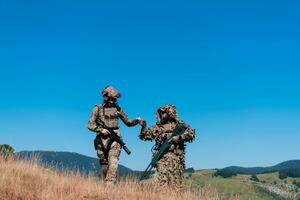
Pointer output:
x,y
170,110
111,92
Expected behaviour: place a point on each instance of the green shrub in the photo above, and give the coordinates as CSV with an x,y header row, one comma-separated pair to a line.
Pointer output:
x,y
6,150
254,178
296,183
225,173
189,170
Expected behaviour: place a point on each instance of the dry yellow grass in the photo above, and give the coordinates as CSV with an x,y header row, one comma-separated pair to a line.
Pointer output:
x,y
26,180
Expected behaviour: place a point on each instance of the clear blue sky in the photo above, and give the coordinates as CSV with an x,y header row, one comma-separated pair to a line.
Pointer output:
x,y
231,68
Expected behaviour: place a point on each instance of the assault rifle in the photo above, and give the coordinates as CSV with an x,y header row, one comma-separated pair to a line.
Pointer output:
x,y
113,137
179,130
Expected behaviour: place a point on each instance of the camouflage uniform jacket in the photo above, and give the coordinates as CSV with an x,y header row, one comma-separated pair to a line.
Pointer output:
x,y
108,116
160,133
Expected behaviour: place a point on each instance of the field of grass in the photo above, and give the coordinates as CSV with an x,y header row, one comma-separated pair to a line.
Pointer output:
x,y
26,180
240,186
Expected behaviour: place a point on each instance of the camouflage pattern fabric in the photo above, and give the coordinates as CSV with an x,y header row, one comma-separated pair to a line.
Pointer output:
x,y
109,159
170,168
103,116
169,171
111,92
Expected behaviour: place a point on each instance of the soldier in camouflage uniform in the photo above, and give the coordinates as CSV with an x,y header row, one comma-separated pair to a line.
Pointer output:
x,y
103,116
170,168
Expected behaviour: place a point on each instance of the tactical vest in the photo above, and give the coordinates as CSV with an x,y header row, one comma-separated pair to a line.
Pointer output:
x,y
109,116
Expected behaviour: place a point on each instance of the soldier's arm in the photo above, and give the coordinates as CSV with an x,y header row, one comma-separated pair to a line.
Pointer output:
x,y
92,124
149,133
125,119
189,135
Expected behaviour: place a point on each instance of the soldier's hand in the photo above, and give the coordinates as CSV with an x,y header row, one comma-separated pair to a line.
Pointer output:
x,y
175,139
141,121
105,132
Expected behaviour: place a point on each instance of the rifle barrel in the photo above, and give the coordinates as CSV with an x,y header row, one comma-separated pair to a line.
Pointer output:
x,y
145,173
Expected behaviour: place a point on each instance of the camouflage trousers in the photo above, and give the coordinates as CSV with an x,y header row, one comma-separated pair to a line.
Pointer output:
x,y
169,171
109,159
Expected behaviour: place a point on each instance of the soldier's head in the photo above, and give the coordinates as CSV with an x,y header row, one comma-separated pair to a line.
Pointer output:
x,y
110,95
167,114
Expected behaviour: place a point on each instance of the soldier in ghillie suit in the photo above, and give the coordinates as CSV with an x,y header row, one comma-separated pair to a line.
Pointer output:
x,y
170,168
106,117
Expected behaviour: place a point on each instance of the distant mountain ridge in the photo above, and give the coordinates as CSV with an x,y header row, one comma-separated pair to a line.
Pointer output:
x,y
71,161
291,164
68,161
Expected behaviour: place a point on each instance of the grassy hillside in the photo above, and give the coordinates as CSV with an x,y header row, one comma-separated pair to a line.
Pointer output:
x,y
26,180
269,187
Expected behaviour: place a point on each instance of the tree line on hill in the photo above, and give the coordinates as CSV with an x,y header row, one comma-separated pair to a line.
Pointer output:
x,y
293,173
282,174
